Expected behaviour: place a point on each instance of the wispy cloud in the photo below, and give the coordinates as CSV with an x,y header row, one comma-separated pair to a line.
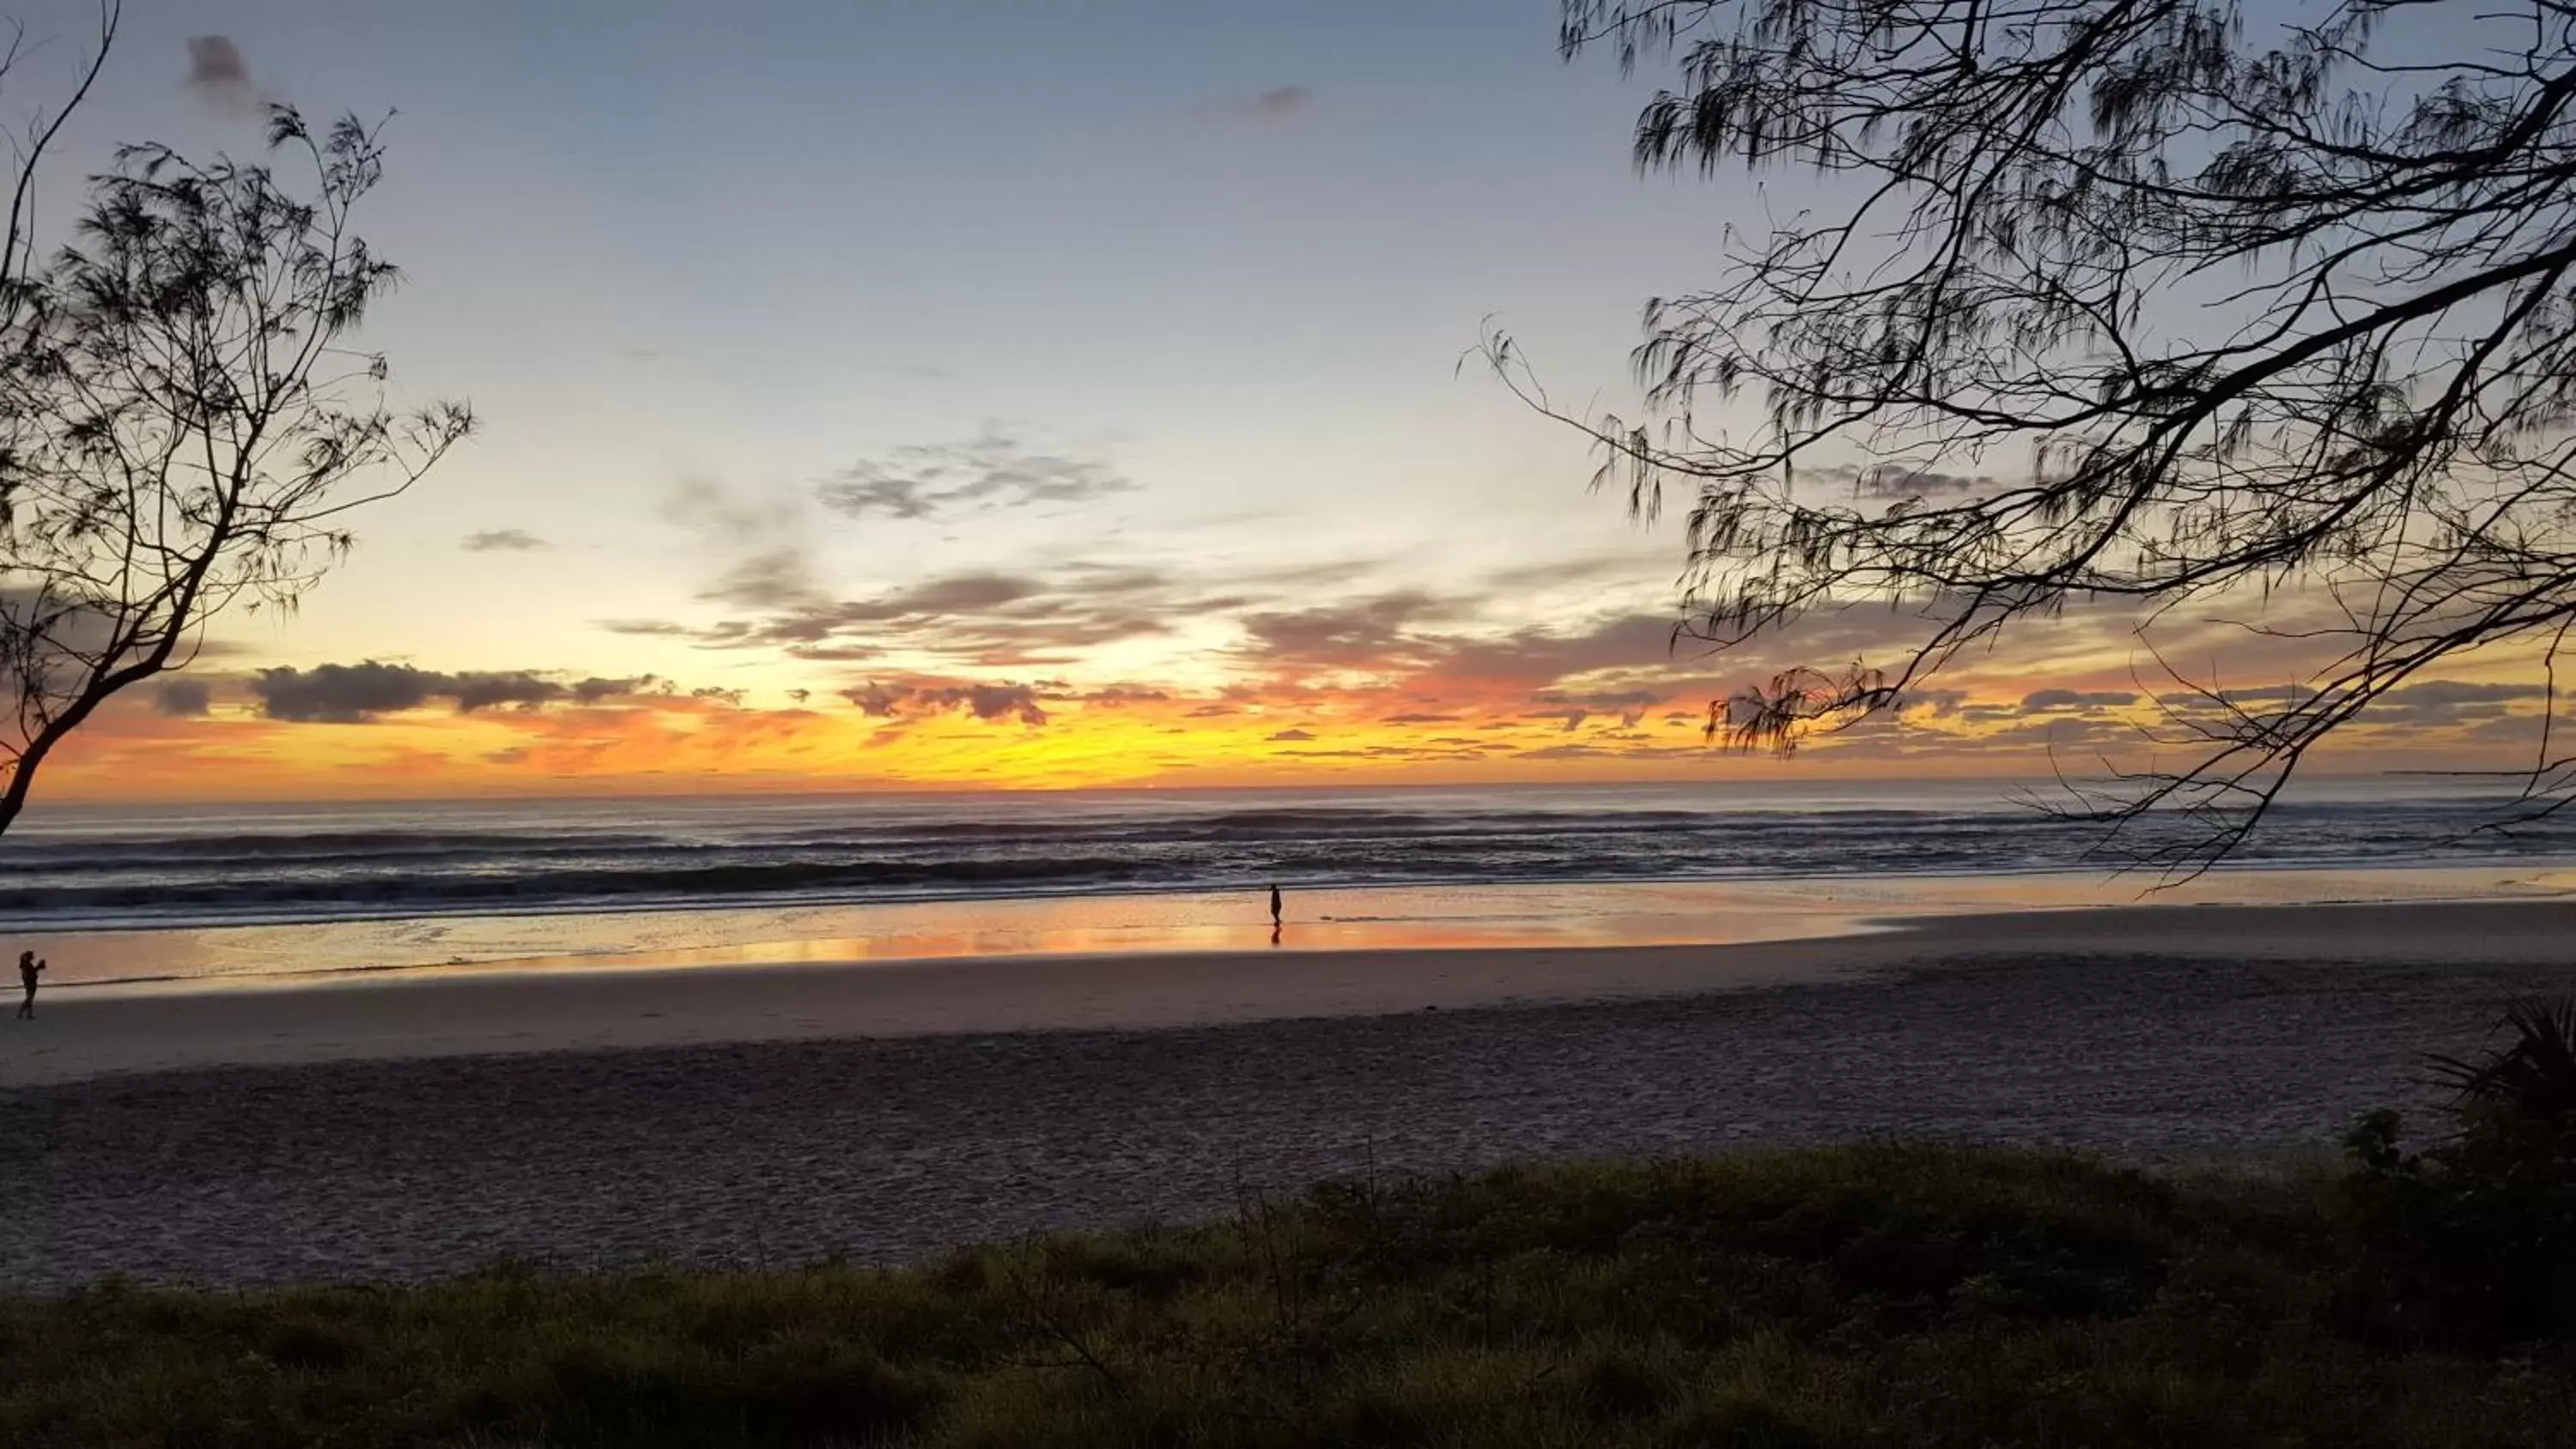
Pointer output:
x,y
983,701
2076,701
763,539
993,470
983,618
1366,633
219,75
183,698
1118,695
1629,706
502,540
1896,480
1275,106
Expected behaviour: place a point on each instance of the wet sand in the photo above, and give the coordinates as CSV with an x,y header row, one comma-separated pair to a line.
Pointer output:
x,y
94,1031
1519,915
778,1114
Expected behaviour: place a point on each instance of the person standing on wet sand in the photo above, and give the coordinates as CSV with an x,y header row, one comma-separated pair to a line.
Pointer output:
x,y
29,968
1274,908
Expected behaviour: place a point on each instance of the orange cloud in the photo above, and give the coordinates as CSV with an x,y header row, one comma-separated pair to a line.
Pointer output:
x,y
1303,736
1401,687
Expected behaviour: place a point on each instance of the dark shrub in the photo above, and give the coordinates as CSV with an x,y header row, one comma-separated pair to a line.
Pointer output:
x,y
2474,1238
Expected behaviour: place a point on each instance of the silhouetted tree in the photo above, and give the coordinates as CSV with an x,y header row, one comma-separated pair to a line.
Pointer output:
x,y
183,426
2120,303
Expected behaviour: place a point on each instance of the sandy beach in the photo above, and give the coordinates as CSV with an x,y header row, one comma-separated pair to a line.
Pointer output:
x,y
411,1126
477,1012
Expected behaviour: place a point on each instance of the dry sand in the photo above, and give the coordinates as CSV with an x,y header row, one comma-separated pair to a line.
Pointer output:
x,y
399,1128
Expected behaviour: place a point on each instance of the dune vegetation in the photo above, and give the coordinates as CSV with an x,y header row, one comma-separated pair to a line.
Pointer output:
x,y
1880,1294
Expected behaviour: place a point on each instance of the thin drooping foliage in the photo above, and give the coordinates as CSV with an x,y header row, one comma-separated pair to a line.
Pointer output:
x,y
2535,1073
2122,305
184,425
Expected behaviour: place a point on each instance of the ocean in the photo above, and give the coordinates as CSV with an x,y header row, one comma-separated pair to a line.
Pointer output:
x,y
122,869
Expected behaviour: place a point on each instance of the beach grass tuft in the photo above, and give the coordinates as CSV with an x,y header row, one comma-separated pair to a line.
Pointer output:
x,y
1864,1295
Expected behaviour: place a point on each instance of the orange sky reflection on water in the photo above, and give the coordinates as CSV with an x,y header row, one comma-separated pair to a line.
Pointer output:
x,y
1427,918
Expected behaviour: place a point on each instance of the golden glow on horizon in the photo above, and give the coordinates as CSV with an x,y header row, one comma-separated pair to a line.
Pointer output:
x,y
1357,694
678,744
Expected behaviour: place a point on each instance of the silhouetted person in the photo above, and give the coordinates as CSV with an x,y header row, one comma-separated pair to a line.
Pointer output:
x,y
29,968
1274,908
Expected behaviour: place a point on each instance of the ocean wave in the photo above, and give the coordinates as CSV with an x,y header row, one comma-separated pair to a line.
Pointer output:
x,y
394,888
206,870
275,846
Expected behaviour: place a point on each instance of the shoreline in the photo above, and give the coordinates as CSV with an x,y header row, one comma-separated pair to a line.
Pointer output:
x,y
1512,916
1817,880
99,1032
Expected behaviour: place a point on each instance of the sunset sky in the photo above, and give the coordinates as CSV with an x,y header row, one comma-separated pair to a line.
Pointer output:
x,y
1017,394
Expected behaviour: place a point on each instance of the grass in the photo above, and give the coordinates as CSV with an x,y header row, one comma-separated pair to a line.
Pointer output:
x,y
1871,1295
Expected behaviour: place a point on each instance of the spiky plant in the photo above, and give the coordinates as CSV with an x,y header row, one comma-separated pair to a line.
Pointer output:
x,y
2534,1075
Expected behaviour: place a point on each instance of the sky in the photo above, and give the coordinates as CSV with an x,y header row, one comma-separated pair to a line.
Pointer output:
x,y
1012,395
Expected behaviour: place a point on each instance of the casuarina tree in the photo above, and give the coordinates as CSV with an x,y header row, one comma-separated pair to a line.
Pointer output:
x,y
2257,313
186,424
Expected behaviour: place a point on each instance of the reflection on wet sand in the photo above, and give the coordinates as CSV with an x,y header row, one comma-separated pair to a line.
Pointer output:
x,y
1422,918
